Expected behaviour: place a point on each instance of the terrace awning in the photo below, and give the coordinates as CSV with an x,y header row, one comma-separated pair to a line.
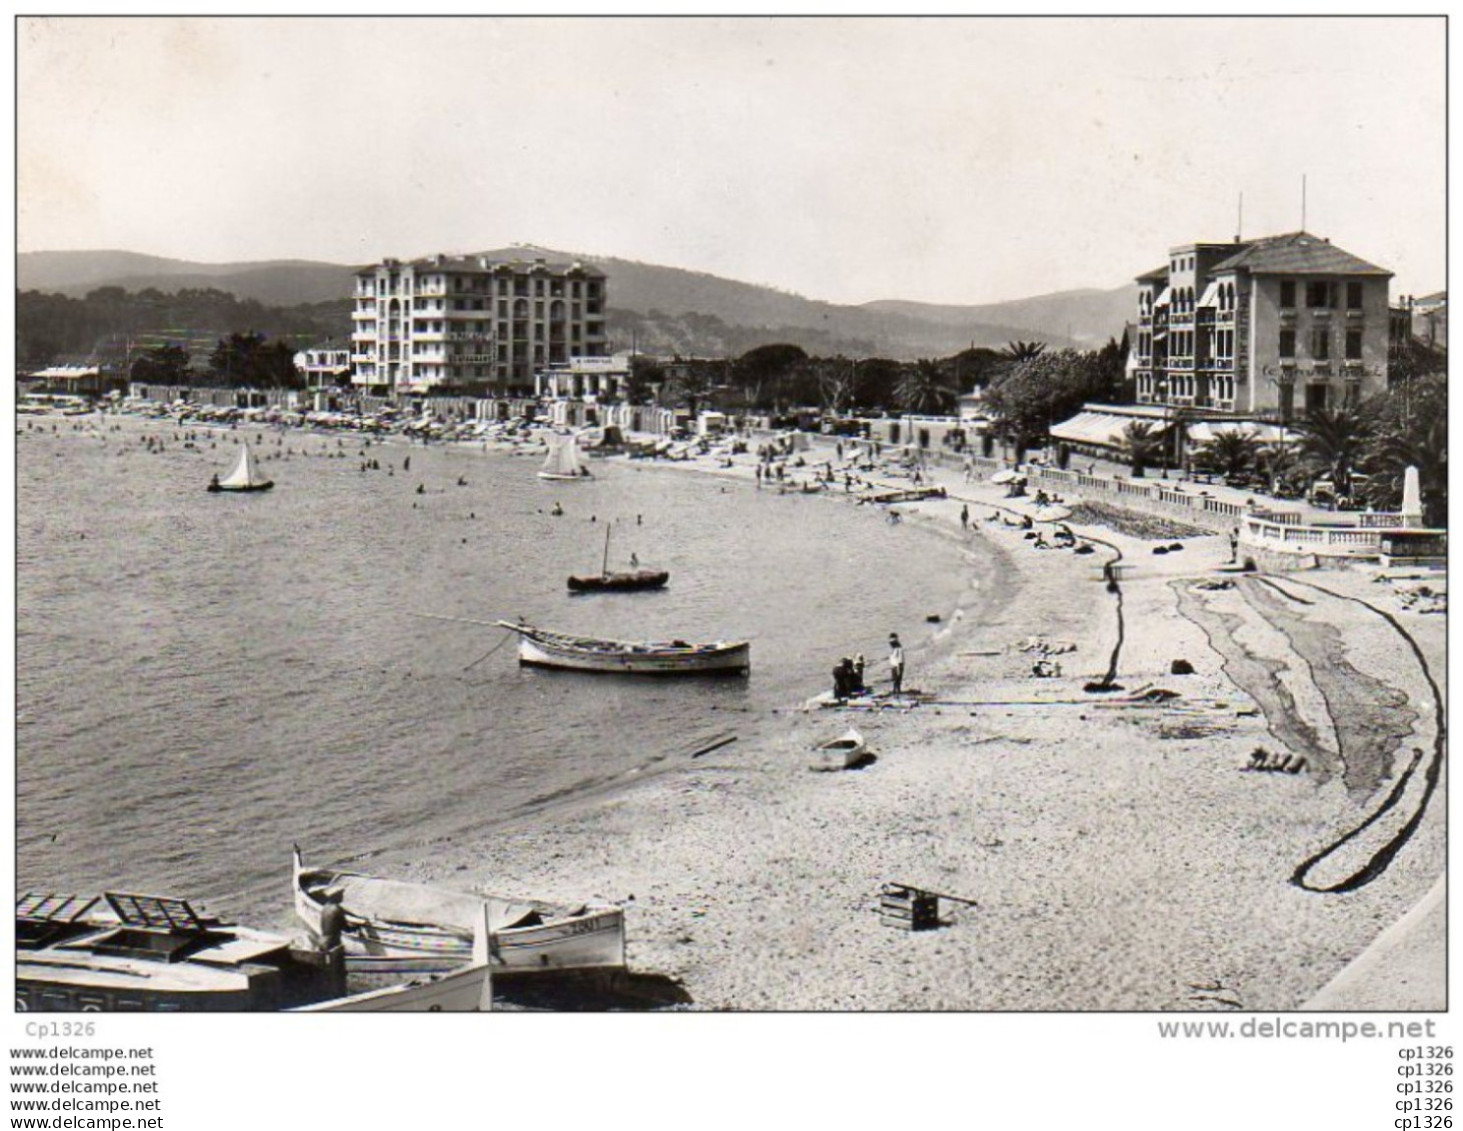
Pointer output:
x,y
1206,430
1103,428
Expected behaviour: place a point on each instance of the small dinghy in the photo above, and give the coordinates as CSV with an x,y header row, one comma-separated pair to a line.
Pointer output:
x,y
839,753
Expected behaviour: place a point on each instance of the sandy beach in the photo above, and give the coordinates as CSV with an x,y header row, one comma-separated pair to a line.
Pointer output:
x,y
1114,850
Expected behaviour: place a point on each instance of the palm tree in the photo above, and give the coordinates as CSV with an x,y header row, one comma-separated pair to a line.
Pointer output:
x,y
1138,445
1333,440
1425,447
1278,462
1018,350
1233,452
923,389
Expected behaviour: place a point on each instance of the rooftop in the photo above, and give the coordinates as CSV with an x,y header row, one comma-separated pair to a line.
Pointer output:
x,y
1296,253
514,258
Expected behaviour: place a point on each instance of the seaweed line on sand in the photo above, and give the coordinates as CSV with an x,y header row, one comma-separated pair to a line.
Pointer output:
x,y
1257,677
1383,857
1371,718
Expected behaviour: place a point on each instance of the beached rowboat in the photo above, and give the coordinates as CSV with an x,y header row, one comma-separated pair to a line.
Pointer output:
x,y
541,648
393,926
140,953
468,989
839,753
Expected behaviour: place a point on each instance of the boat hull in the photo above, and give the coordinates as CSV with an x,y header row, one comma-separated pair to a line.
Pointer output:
x,y
220,488
730,659
467,990
619,582
593,940
839,754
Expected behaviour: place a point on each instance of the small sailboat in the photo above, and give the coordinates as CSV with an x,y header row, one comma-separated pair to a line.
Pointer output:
x,y
839,753
563,461
617,581
245,476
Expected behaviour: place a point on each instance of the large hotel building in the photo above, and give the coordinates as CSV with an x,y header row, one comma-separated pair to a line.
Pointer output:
x,y
477,322
1267,328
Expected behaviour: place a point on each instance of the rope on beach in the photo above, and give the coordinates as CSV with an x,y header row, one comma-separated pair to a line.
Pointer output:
x,y
1382,858
488,653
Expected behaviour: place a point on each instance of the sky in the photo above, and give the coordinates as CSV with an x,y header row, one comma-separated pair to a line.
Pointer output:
x,y
946,160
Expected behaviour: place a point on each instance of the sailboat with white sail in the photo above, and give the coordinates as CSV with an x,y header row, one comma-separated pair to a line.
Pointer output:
x,y
245,476
564,461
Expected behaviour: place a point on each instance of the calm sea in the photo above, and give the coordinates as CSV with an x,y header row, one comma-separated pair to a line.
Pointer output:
x,y
203,679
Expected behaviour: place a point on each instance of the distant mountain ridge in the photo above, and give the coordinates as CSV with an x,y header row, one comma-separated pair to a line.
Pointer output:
x,y
657,309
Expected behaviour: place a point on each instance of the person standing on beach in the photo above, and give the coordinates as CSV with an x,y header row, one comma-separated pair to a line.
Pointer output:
x,y
964,517
896,663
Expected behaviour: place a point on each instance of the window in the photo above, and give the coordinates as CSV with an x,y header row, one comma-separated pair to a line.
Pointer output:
x,y
1287,295
1318,295
1353,345
1287,343
1321,343
1353,296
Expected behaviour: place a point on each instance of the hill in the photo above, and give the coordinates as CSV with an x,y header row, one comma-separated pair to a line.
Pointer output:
x,y
654,308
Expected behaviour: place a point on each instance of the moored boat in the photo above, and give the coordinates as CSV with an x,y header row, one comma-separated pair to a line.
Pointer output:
x,y
392,926
245,476
616,581
839,753
542,648
138,953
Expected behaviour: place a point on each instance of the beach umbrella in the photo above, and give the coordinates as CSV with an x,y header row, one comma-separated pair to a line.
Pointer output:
x,y
1053,513
1004,476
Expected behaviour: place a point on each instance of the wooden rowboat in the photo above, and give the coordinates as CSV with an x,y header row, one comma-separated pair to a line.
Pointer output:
x,y
621,582
143,953
397,927
542,648
465,990
612,581
839,753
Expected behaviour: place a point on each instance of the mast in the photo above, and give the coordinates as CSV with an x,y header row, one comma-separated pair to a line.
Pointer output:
x,y
604,569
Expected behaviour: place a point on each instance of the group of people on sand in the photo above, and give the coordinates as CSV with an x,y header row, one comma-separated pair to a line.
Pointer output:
x,y
848,675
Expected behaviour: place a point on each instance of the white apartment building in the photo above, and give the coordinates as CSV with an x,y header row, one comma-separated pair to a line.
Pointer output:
x,y
484,322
